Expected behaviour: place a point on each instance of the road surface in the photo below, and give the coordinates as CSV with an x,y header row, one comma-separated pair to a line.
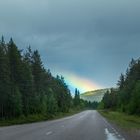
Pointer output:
x,y
87,125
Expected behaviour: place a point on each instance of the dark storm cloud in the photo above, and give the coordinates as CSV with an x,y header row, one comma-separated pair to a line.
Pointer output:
x,y
94,38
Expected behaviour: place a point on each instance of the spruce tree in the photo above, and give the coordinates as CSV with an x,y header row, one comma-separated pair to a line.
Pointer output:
x,y
15,78
37,72
4,81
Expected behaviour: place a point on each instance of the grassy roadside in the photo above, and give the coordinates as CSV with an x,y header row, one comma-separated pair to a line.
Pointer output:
x,y
37,118
127,122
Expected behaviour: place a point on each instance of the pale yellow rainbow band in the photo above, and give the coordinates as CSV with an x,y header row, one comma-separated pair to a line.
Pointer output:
x,y
79,82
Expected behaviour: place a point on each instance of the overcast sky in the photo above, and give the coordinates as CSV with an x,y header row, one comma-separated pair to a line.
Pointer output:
x,y
91,39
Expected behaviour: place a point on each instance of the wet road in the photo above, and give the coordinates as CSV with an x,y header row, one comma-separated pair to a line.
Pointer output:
x,y
87,125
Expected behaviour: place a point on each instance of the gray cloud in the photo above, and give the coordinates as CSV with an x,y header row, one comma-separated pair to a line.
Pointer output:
x,y
94,38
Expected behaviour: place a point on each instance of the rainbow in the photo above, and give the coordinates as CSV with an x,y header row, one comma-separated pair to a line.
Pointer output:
x,y
81,83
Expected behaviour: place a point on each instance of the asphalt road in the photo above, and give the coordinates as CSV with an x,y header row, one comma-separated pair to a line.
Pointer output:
x,y
87,125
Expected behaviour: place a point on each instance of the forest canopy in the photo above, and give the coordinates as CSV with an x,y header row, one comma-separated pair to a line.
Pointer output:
x,y
126,97
26,87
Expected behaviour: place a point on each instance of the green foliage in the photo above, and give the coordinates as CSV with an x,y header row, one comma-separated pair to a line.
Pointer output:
x,y
134,105
127,97
93,105
15,103
101,106
110,99
5,84
28,89
125,121
121,82
77,98
52,106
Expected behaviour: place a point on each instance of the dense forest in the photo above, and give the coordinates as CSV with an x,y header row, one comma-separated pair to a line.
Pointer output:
x,y
26,87
126,97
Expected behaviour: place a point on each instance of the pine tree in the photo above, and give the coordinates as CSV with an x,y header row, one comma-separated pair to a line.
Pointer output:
x,y
77,98
4,81
134,106
15,78
121,82
37,72
27,87
51,104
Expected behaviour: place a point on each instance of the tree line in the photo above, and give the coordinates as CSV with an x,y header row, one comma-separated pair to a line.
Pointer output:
x,y
27,88
126,97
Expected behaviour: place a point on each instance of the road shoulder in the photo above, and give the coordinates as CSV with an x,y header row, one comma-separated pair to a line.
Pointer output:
x,y
128,126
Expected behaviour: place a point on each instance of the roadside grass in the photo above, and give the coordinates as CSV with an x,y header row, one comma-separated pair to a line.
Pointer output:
x,y
37,118
128,122
22,120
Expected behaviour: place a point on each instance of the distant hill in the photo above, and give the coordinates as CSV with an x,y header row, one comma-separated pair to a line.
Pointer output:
x,y
95,95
